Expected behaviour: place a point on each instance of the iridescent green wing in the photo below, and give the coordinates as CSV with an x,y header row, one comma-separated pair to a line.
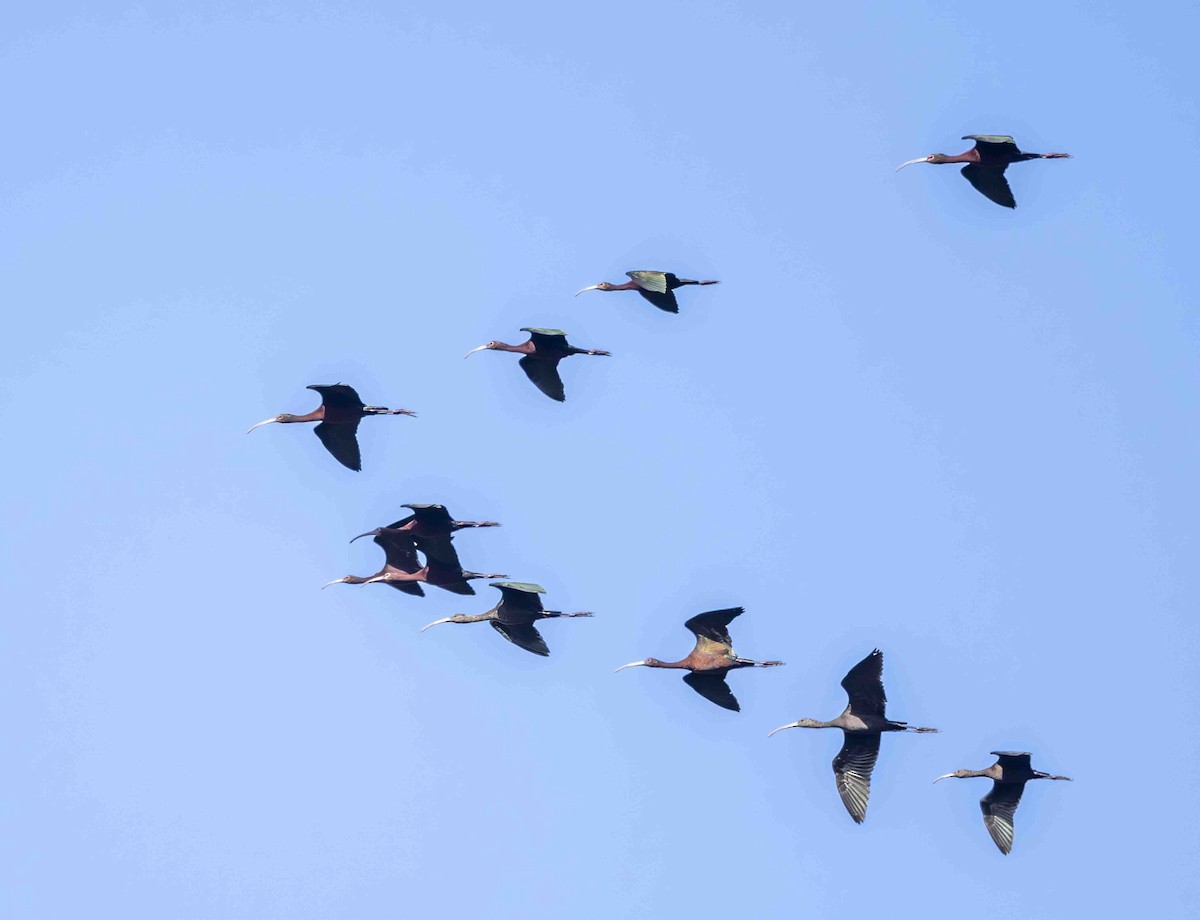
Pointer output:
x,y
656,288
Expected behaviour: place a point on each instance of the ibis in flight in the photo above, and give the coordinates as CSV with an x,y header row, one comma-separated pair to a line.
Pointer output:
x,y
1009,775
400,556
656,287
541,354
986,162
337,417
519,608
711,659
862,722
430,527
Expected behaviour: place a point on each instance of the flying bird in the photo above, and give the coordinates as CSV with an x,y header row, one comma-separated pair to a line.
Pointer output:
x,y
430,527
400,556
986,162
338,417
862,721
519,608
543,351
1009,775
711,659
656,287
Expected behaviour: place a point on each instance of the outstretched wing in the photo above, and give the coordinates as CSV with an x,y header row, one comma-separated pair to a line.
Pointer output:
x,y
711,630
544,374
713,688
338,396
993,144
989,181
400,551
655,287
341,440
440,549
518,599
863,683
430,515
852,771
407,587
998,808
524,635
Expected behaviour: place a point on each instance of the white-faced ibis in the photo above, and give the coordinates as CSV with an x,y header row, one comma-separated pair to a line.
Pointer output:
x,y
1009,775
339,414
711,659
656,287
430,526
543,351
519,608
862,721
401,557
446,574
986,162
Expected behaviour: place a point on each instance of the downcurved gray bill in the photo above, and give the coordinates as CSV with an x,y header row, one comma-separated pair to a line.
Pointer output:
x,y
473,350
782,727
632,664
590,287
435,623
911,162
260,424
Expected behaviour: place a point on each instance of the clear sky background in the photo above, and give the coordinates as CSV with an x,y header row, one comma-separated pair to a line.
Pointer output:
x,y
907,418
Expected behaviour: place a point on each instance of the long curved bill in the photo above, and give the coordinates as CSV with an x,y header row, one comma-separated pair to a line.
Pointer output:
x,y
435,623
473,350
940,778
782,727
912,162
632,664
590,287
369,533
336,581
260,424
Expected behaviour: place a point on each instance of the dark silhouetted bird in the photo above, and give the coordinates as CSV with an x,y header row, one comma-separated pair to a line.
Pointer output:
x,y
986,162
519,608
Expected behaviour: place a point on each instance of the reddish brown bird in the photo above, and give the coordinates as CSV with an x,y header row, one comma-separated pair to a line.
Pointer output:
x,y
430,526
543,351
519,608
986,162
656,287
711,659
401,557
339,414
1009,775
446,573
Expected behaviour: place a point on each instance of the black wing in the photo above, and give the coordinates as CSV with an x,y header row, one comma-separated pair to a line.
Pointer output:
x,y
431,515
338,396
544,374
400,551
852,771
341,440
523,634
713,688
714,624
989,181
519,603
408,587
446,577
439,549
998,808
993,144
863,683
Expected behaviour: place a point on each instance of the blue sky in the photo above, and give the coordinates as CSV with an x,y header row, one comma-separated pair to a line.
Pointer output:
x,y
906,419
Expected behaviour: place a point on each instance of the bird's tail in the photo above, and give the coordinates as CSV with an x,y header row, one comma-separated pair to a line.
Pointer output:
x,y
596,351
920,728
476,524
683,281
1056,156
751,663
384,410
559,613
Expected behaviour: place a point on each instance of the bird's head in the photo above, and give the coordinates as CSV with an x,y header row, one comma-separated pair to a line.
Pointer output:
x,y
337,581
283,417
602,286
932,158
801,723
957,774
457,618
646,663
488,346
